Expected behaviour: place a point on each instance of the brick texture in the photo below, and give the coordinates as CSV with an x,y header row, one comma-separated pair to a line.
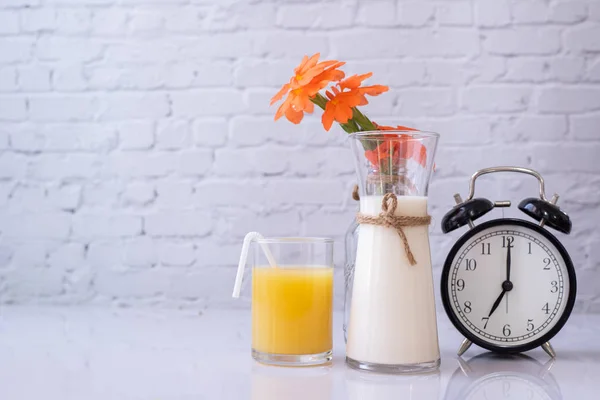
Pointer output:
x,y
137,145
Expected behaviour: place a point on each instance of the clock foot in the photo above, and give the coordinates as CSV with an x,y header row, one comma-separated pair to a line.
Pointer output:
x,y
548,349
464,346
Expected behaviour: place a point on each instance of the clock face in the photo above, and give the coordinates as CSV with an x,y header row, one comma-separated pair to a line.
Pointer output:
x,y
508,284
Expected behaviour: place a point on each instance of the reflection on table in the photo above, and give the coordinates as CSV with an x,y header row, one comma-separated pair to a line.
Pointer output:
x,y
370,386
279,383
490,376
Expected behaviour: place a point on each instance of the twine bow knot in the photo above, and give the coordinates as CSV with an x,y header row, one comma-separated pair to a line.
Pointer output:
x,y
387,218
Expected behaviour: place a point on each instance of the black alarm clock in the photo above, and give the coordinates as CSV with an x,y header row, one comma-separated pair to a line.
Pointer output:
x,y
508,285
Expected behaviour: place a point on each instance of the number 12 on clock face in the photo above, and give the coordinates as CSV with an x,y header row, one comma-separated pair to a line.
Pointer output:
x,y
506,285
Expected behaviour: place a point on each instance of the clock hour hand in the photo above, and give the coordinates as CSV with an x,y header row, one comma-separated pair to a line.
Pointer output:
x,y
497,303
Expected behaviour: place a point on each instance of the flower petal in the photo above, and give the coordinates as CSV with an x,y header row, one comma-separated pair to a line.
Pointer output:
x,y
280,111
302,64
383,127
354,81
405,128
327,118
374,90
284,89
283,108
312,61
297,103
294,116
327,76
309,107
342,113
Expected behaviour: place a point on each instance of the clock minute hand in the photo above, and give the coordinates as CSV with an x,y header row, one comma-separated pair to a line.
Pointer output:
x,y
497,303
508,262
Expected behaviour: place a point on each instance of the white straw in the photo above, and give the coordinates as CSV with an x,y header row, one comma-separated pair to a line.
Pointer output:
x,y
242,264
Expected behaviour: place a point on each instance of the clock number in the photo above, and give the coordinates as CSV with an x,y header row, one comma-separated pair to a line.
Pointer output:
x,y
547,262
470,264
486,319
507,241
546,308
506,330
529,248
460,285
485,250
467,307
554,287
530,325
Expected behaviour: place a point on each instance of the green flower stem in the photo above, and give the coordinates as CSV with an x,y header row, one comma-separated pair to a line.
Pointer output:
x,y
362,120
351,125
319,100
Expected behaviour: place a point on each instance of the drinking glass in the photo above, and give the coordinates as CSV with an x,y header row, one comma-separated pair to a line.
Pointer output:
x,y
292,295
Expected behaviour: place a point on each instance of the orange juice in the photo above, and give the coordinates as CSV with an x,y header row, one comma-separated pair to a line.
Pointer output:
x,y
292,309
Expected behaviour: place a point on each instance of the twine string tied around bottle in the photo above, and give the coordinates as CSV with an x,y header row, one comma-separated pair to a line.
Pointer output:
x,y
387,218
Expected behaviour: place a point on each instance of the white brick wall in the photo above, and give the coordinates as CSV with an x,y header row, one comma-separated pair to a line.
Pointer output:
x,y
137,146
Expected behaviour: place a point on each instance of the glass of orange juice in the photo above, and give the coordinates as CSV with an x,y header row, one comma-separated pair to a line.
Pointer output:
x,y
292,295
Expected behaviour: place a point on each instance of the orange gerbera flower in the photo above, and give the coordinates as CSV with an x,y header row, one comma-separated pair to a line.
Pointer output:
x,y
349,95
309,77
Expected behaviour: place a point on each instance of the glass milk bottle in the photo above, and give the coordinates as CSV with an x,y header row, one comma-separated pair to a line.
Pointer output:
x,y
392,323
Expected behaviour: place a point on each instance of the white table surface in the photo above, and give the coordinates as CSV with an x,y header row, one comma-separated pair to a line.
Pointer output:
x,y
94,353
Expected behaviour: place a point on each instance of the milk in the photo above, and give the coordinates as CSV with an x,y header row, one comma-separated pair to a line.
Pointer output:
x,y
392,315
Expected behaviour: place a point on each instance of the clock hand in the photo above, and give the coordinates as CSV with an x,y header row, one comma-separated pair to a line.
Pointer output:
x,y
506,285
508,262
496,303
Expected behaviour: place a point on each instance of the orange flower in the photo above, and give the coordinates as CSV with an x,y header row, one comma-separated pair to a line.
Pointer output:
x,y
354,82
349,95
397,147
400,148
391,128
309,77
381,153
339,107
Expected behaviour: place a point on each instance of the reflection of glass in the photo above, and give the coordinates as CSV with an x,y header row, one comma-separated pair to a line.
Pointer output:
x,y
367,386
490,376
291,384
292,301
391,321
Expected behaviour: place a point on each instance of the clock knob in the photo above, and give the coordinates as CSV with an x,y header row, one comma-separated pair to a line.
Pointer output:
x,y
464,213
551,214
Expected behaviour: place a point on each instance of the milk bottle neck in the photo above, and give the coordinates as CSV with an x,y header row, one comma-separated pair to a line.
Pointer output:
x,y
398,162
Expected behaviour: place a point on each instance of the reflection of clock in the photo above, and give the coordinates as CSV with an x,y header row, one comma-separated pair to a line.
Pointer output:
x,y
490,376
504,386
